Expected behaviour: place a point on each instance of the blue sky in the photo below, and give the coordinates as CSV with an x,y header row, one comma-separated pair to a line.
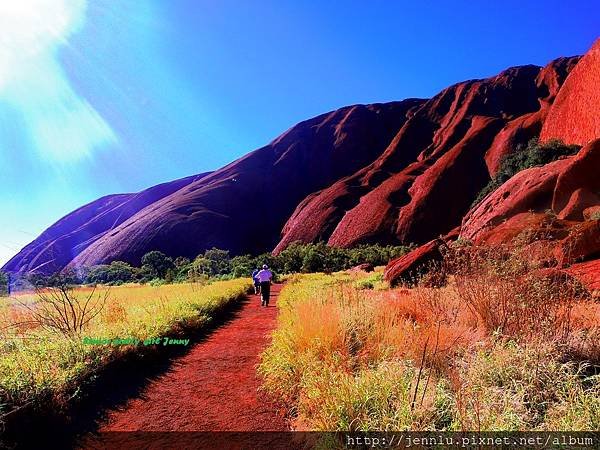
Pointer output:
x,y
104,96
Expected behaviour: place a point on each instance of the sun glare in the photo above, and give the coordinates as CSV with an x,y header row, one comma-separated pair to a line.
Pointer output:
x,y
62,126
33,27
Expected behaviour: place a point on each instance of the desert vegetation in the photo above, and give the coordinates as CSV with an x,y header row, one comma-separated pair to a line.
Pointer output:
x,y
46,331
3,284
48,341
524,157
485,340
157,268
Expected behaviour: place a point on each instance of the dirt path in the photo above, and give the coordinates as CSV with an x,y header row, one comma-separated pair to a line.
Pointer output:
x,y
214,387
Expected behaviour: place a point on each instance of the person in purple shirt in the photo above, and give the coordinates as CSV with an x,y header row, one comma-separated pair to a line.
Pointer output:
x,y
264,278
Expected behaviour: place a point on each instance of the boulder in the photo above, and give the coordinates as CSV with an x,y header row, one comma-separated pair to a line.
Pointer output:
x,y
583,242
589,274
365,267
581,173
407,267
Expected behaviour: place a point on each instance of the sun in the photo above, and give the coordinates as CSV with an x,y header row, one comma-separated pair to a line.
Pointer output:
x,y
31,29
58,124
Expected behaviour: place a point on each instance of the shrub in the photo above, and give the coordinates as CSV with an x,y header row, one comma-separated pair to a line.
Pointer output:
x,y
292,257
4,288
59,309
157,264
534,154
508,293
313,261
242,266
115,272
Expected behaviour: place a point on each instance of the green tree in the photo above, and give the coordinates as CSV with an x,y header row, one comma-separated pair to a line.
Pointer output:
x,y
272,261
114,273
3,284
219,261
292,257
98,274
313,260
181,261
534,154
157,263
182,268
242,266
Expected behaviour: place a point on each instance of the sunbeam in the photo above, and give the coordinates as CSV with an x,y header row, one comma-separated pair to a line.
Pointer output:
x,y
62,125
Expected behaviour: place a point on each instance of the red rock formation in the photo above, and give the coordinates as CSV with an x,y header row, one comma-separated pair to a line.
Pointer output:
x,y
243,206
575,114
567,187
389,173
522,129
589,274
63,241
580,179
429,175
407,267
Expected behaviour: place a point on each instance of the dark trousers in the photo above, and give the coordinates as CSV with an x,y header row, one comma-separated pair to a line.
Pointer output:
x,y
265,291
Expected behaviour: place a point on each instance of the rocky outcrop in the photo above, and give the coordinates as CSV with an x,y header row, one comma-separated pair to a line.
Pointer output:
x,y
550,212
243,206
399,172
565,187
66,239
409,267
589,274
574,116
427,178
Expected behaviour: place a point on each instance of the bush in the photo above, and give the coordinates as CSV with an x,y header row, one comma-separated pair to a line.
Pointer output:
x,y
157,263
59,309
115,272
535,154
292,258
3,284
212,263
242,266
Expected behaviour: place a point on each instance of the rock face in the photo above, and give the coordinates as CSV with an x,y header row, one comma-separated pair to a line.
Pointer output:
x,y
429,175
589,274
565,187
400,172
407,267
62,242
243,206
575,115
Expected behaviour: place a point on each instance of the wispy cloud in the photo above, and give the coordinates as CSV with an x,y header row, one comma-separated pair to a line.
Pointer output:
x,y
62,126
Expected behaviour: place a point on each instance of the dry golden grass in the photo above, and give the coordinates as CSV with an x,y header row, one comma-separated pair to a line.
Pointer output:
x,y
40,365
501,346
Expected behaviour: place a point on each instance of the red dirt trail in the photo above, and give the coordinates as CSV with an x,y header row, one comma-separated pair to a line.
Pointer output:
x,y
214,387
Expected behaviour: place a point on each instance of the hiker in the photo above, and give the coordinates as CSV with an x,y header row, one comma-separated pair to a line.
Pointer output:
x,y
264,277
256,282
